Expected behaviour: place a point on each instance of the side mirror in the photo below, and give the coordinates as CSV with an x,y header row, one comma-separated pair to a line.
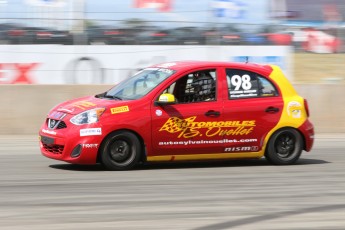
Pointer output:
x,y
166,99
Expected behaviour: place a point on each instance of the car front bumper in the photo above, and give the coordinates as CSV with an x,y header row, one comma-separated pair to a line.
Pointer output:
x,y
69,146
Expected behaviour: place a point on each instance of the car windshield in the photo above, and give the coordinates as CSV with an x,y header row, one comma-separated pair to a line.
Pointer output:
x,y
140,84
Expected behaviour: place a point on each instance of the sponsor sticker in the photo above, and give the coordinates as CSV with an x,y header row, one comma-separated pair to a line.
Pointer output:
x,y
163,98
91,132
167,71
242,149
66,110
189,127
83,104
57,115
241,86
159,112
294,109
121,109
89,146
48,131
210,142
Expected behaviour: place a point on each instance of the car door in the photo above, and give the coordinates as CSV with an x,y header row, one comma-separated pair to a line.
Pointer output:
x,y
254,105
188,126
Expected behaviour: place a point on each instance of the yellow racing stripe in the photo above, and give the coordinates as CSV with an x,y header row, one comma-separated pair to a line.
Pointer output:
x,y
190,157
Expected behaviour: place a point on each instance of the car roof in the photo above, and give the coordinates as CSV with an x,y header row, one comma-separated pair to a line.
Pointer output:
x,y
187,65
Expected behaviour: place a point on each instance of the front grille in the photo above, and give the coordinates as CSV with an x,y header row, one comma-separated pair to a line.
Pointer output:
x,y
56,124
61,125
55,149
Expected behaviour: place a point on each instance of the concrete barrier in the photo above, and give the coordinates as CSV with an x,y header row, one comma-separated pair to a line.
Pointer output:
x,y
326,104
24,107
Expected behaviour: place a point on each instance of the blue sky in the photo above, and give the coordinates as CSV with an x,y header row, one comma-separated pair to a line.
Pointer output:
x,y
104,11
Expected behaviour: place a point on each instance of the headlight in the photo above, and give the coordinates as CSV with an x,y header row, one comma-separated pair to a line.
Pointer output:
x,y
87,117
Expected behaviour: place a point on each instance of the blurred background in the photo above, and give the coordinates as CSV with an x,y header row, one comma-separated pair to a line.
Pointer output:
x,y
78,47
308,27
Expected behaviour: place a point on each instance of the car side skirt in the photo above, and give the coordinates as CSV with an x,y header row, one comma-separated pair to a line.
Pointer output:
x,y
214,156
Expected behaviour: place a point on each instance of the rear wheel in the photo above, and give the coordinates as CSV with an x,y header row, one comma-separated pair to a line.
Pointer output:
x,y
120,151
284,147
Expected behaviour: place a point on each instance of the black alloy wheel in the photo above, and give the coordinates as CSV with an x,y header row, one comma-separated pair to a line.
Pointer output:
x,y
120,151
284,147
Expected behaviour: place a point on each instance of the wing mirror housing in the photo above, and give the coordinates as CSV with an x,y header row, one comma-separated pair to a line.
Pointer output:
x,y
166,99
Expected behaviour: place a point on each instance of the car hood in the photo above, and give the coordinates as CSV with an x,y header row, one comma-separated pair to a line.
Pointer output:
x,y
79,105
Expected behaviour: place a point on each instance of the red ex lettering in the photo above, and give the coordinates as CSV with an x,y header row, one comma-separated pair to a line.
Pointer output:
x,y
22,72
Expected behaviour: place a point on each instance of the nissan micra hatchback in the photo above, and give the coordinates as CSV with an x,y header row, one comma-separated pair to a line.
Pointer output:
x,y
183,111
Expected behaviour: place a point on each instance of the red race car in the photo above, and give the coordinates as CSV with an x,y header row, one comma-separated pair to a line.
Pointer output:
x,y
189,110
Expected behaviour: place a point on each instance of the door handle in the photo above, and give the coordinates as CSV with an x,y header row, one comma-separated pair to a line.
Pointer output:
x,y
212,113
272,109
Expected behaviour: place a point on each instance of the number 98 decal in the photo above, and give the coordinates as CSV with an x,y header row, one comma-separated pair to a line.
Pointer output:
x,y
241,86
243,82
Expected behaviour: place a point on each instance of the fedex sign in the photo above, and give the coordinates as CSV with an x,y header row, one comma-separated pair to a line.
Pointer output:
x,y
16,73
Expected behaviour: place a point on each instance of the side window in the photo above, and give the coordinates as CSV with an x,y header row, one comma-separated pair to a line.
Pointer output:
x,y
246,84
197,86
267,88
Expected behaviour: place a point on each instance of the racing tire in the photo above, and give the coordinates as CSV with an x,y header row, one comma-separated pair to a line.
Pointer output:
x,y
284,147
120,151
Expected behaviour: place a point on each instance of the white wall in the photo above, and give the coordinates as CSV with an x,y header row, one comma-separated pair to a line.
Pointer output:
x,y
102,64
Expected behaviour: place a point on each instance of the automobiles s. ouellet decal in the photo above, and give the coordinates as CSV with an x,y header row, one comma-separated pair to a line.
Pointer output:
x,y
188,128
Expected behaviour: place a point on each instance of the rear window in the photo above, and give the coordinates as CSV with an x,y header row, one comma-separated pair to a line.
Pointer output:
x,y
246,84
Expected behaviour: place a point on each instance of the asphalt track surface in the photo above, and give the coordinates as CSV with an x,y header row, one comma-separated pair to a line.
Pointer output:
x,y
39,193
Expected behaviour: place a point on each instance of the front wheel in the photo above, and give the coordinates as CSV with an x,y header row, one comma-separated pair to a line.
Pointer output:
x,y
284,147
120,151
